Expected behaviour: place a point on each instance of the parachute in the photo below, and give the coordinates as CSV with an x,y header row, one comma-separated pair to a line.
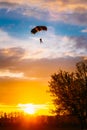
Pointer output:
x,y
38,28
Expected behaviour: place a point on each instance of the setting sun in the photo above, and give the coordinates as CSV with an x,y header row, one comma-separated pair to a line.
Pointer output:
x,y
35,109
28,108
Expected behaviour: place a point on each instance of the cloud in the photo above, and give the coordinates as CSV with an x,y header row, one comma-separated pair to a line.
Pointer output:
x,y
6,40
84,30
10,74
10,57
81,44
37,61
8,5
73,12
13,64
53,46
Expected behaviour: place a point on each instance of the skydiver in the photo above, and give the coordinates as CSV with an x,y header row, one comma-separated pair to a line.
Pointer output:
x,y
41,40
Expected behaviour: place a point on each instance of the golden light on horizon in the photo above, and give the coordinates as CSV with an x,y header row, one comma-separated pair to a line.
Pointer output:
x,y
34,109
27,108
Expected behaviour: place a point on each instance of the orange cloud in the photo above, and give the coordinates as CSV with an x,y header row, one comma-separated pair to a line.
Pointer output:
x,y
56,5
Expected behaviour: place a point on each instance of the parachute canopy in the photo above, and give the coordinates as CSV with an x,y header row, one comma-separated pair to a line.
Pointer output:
x,y
38,28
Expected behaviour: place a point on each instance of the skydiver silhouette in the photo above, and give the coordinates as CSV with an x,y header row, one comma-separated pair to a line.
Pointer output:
x,y
41,40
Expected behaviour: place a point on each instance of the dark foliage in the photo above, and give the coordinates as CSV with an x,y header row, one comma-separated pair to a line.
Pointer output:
x,y
69,91
18,121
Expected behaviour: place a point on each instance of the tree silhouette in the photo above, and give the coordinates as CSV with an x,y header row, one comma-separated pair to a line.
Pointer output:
x,y
69,91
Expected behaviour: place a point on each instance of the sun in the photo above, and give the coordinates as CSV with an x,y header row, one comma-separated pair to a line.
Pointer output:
x,y
28,108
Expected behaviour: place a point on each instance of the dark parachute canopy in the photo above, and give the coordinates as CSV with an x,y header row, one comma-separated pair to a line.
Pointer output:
x,y
38,28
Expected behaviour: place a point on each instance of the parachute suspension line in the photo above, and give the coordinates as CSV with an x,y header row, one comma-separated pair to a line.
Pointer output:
x,y
41,40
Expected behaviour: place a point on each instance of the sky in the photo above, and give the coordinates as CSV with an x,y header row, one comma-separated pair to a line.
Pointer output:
x,y
26,65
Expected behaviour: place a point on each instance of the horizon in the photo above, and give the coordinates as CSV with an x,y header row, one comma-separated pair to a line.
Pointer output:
x,y
29,109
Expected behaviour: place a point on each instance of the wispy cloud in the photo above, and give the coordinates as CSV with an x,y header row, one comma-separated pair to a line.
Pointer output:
x,y
81,44
32,60
84,30
73,12
10,74
32,69
54,46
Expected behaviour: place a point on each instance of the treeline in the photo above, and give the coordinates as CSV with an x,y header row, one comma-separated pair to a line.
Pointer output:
x,y
20,121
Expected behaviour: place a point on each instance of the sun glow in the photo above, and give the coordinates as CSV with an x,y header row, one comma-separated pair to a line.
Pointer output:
x,y
35,109
28,108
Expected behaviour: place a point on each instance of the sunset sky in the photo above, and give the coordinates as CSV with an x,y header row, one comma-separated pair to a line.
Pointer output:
x,y
25,64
